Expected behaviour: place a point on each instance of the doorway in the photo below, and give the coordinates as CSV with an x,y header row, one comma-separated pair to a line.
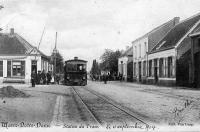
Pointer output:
x,y
34,66
156,74
140,72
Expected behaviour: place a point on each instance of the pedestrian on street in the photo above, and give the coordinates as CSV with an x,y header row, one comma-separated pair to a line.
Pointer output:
x,y
57,78
120,77
38,77
48,78
33,78
43,75
105,78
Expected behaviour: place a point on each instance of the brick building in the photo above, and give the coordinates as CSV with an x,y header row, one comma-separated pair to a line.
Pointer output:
x,y
169,62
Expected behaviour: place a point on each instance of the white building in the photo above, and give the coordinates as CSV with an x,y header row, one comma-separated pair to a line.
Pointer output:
x,y
18,59
125,64
143,45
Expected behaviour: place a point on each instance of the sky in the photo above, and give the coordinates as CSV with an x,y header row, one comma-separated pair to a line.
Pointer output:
x,y
87,27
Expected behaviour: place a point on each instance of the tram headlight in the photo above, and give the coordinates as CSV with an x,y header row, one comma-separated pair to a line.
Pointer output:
x,y
68,77
84,78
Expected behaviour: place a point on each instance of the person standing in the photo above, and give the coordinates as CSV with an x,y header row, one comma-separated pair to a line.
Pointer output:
x,y
33,78
48,78
43,76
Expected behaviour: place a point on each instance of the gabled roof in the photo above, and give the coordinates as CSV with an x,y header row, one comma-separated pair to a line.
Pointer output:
x,y
168,25
128,52
14,44
196,32
176,34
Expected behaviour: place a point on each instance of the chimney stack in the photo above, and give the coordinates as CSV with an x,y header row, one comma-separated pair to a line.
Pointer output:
x,y
176,20
12,31
75,58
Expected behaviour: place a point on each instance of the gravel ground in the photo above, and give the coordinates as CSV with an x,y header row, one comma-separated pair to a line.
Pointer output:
x,y
164,105
38,107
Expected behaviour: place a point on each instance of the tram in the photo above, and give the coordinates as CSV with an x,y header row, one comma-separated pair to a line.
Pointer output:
x,y
75,72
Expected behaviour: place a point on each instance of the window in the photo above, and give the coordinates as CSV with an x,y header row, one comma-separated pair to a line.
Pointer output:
x,y
135,52
170,66
140,50
161,67
1,68
81,67
18,68
134,69
145,47
150,68
8,68
144,68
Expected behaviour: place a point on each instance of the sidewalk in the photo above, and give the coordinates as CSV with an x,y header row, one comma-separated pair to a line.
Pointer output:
x,y
176,90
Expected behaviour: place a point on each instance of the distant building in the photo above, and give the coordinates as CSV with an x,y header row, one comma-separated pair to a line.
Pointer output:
x,y
145,44
125,64
175,58
18,58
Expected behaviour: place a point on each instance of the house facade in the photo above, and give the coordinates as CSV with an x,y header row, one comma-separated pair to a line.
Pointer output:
x,y
18,59
170,61
143,45
125,64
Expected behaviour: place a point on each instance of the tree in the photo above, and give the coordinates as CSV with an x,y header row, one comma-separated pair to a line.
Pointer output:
x,y
109,60
58,59
95,68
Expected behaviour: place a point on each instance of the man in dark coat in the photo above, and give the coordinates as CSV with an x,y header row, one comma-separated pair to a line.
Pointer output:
x,y
39,77
33,78
43,75
48,77
105,78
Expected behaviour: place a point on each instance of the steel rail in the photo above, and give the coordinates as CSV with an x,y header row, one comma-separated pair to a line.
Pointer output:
x,y
116,106
87,108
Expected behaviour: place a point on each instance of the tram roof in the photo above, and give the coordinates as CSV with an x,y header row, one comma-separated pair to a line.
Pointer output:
x,y
77,60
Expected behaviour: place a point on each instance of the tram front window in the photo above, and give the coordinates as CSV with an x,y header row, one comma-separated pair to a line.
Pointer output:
x,y
81,67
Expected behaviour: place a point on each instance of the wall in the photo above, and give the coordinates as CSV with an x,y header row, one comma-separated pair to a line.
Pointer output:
x,y
123,65
183,62
139,55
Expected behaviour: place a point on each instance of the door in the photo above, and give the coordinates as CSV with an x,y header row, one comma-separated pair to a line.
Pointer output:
x,y
140,72
156,74
34,66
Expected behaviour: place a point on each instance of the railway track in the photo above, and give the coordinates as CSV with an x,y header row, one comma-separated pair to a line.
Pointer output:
x,y
103,109
87,108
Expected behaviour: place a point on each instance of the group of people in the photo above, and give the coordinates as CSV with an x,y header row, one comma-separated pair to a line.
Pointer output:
x,y
40,78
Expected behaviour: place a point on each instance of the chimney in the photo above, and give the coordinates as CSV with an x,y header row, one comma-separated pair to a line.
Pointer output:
x,y
75,58
176,20
12,31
